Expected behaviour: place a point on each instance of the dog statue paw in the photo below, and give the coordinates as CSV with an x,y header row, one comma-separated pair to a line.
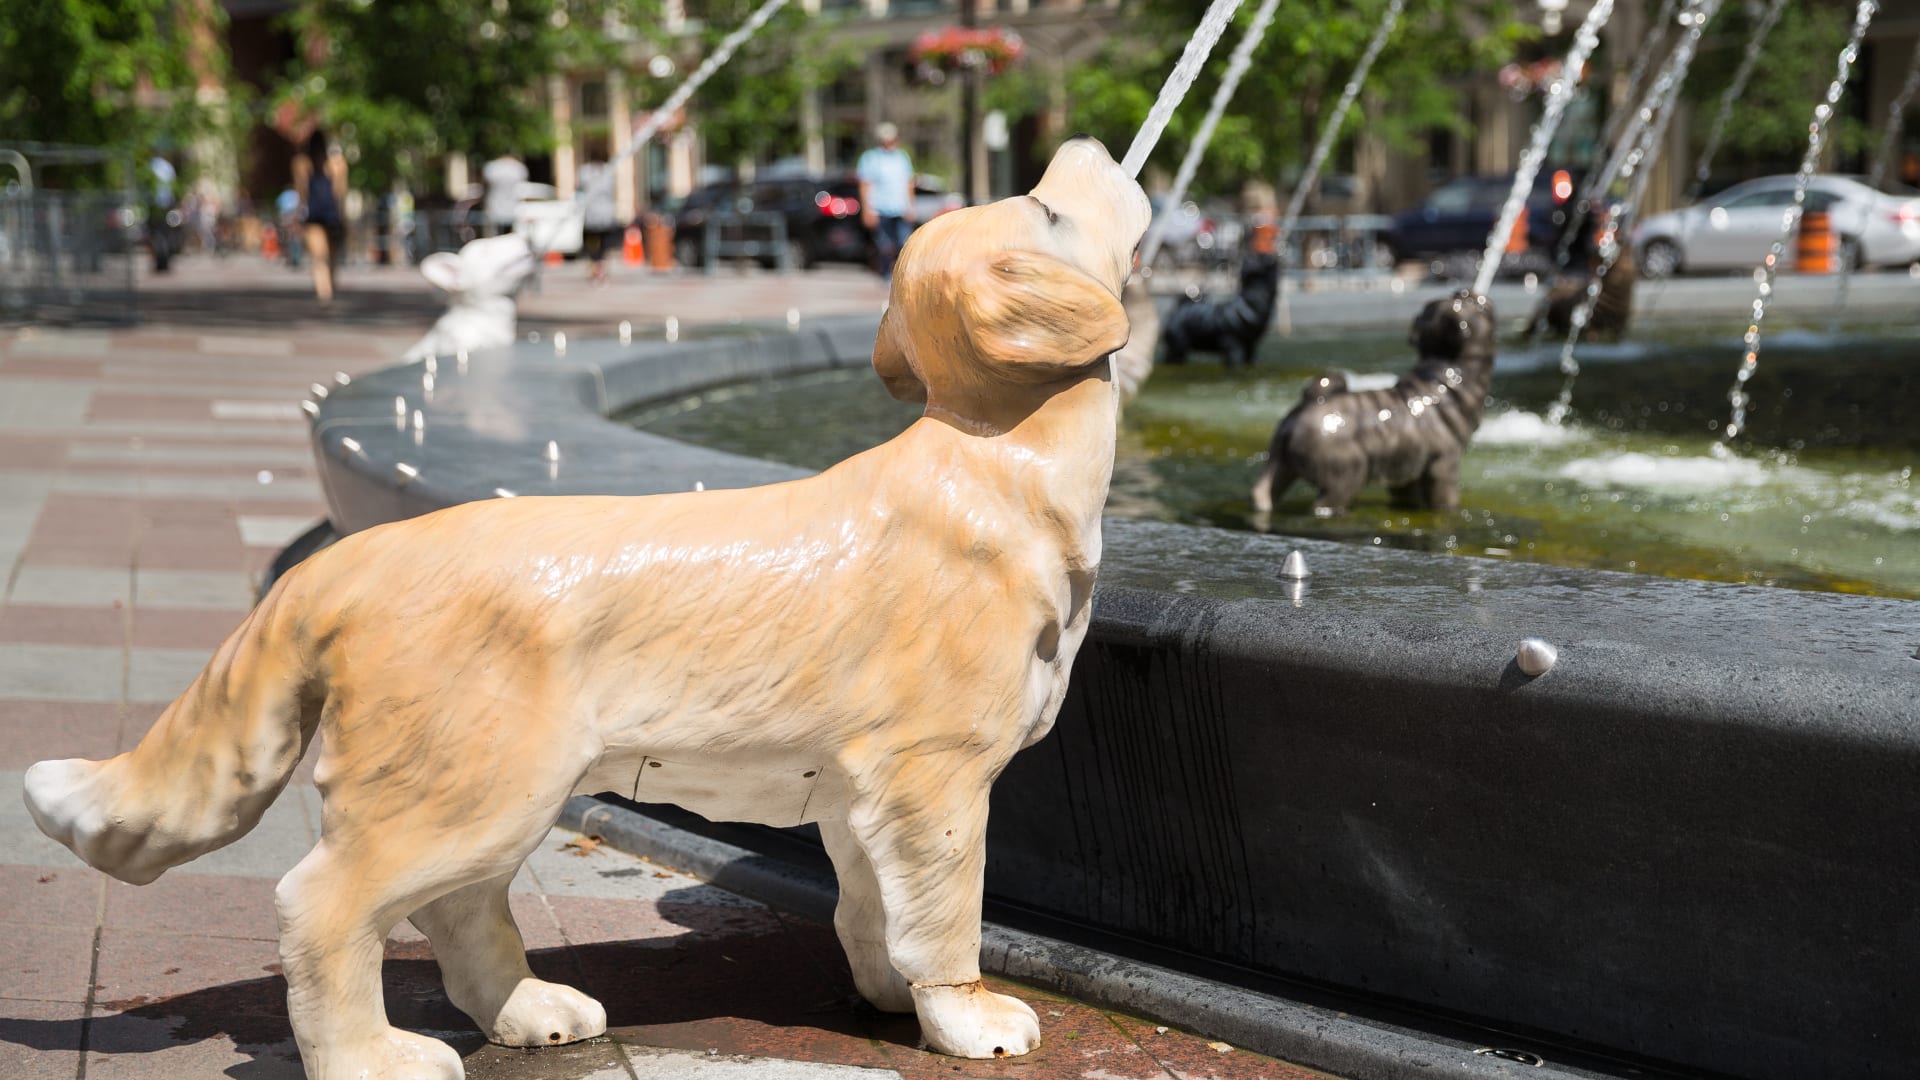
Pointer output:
x,y
1409,436
480,281
864,648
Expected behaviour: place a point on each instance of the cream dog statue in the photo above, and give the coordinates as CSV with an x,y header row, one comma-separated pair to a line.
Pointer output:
x,y
480,282
865,648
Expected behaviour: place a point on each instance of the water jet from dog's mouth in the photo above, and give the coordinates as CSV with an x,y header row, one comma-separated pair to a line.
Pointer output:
x,y
1205,36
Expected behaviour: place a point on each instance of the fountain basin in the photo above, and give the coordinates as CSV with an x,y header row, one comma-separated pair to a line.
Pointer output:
x,y
1691,840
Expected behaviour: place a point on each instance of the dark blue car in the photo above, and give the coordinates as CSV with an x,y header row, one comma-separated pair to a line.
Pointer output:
x,y
1457,216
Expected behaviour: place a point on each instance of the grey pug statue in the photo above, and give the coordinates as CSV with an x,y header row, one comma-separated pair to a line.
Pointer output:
x,y
1409,436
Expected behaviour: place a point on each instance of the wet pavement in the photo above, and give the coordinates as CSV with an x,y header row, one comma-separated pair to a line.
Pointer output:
x,y
148,475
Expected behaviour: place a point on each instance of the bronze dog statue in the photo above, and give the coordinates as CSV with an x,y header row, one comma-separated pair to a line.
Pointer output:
x,y
1612,308
1409,436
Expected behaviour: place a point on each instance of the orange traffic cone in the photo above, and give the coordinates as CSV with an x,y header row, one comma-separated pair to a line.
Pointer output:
x,y
553,258
1517,240
632,252
270,243
1813,254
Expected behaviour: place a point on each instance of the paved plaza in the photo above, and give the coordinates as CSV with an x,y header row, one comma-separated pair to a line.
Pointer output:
x,y
148,476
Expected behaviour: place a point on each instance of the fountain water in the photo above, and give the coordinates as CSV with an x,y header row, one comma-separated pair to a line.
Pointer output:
x,y
1790,219
1636,166
1205,36
1559,94
1298,200
1882,158
1237,65
1748,61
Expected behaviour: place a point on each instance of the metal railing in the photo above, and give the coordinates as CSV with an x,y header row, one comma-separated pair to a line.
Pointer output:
x,y
760,234
67,255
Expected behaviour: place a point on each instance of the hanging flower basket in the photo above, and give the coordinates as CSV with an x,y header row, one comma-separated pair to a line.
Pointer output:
x,y
937,53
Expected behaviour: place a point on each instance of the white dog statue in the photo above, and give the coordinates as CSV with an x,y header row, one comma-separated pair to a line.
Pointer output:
x,y
865,648
480,282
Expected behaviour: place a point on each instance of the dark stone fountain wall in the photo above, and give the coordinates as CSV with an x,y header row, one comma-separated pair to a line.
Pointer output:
x,y
1696,839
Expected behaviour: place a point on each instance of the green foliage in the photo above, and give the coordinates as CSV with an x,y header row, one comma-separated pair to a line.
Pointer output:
x,y
403,82
750,108
108,73
1768,125
1298,71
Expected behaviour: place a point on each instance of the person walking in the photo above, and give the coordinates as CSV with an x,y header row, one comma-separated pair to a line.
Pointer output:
x,y
886,196
503,176
320,176
599,217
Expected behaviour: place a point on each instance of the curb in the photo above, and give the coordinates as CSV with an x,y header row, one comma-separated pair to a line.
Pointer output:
x,y
1337,1042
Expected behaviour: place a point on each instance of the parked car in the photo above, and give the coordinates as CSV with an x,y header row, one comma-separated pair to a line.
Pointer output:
x,y
1192,236
1459,214
549,222
1734,229
931,198
822,216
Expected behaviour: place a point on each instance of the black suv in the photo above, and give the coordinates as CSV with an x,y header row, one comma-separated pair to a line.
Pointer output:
x,y
822,216
1457,216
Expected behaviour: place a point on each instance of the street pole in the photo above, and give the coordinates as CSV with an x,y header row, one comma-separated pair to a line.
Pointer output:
x,y
969,112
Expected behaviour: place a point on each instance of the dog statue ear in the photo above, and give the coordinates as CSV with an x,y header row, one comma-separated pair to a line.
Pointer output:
x,y
1040,316
890,363
444,270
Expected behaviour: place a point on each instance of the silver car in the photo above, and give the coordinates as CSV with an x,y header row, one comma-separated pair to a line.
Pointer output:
x,y
1734,229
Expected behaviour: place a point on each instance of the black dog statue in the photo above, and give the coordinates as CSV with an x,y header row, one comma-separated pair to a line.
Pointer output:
x,y
1230,326
1409,436
1612,308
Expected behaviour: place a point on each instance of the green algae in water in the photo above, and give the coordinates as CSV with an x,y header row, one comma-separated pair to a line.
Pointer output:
x,y
1820,496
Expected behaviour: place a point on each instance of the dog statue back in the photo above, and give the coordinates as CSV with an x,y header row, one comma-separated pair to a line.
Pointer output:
x,y
1409,436
1231,326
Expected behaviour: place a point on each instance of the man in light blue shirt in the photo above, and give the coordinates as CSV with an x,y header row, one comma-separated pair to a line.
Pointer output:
x,y
886,195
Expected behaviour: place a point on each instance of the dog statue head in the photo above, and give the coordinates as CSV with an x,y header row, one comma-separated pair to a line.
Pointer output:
x,y
1457,327
993,304
490,267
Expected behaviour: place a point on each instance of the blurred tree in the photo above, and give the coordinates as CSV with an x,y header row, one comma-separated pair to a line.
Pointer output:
x,y
1767,129
120,74
403,83
1299,69
750,109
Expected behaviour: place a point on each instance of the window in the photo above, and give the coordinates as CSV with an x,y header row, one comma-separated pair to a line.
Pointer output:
x,y
593,98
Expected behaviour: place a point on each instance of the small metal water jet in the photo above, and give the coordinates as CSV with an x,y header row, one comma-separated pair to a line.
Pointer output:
x,y
1295,566
1559,93
1636,167
1535,657
342,378
1790,219
1237,65
560,343
317,391
626,332
673,328
1212,25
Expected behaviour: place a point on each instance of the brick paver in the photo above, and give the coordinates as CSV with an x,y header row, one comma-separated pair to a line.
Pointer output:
x,y
147,477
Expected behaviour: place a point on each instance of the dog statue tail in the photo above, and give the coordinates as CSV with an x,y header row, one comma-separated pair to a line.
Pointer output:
x,y
205,773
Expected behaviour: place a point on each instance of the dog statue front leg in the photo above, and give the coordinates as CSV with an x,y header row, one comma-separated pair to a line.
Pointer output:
x,y
860,920
1442,482
926,838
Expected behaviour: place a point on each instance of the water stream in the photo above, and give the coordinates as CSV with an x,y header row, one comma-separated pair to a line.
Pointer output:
x,y
1237,66
1205,36
1769,267
1559,93
1311,176
1636,166
1748,61
1882,160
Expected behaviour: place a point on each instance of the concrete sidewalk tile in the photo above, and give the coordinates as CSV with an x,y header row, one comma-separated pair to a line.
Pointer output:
x,y
135,720
69,586
142,966
50,896
42,401
197,589
45,963
656,1064
248,345
154,452
209,905
60,673
273,530
31,451
48,367
40,1040
167,1048
62,341
174,628
1184,1054
47,624
160,675
32,731
269,850
589,920
594,1060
